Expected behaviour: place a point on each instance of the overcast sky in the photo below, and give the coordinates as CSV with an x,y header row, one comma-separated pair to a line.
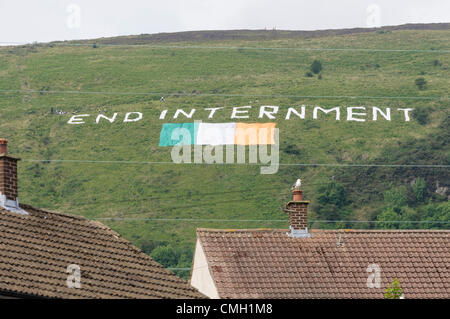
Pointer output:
x,y
47,20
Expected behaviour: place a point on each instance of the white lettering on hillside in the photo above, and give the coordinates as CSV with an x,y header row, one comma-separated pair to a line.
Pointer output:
x,y
212,111
163,115
406,112
269,114
110,119
272,112
293,110
334,109
236,111
77,119
386,115
351,114
127,117
180,111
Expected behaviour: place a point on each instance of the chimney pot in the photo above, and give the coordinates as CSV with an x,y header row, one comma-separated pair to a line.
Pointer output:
x,y
3,146
297,195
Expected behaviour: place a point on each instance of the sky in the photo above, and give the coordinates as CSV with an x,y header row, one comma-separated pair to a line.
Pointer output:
x,y
48,20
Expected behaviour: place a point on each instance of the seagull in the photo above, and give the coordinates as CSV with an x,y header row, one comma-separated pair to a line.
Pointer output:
x,y
297,184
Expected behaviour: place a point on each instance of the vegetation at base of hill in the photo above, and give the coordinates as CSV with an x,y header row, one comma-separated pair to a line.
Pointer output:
x,y
158,206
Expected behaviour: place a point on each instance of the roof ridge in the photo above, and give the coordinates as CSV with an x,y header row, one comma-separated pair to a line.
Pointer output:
x,y
231,230
91,222
47,211
316,230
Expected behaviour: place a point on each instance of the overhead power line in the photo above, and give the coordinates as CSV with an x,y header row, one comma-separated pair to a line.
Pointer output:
x,y
174,94
267,220
236,164
193,194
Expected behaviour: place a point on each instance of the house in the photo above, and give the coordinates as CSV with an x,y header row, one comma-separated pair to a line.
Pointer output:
x,y
302,263
45,254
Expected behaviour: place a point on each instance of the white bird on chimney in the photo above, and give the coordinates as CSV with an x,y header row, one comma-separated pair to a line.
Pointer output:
x,y
297,184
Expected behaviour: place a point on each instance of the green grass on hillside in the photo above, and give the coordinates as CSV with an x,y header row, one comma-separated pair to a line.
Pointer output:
x,y
167,191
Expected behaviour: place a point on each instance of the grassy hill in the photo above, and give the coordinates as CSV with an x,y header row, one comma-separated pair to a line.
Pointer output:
x,y
239,76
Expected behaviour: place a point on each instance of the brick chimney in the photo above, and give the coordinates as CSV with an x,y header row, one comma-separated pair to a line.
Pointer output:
x,y
298,213
8,179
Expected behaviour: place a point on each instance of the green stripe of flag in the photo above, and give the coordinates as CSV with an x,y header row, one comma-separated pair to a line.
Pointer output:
x,y
176,133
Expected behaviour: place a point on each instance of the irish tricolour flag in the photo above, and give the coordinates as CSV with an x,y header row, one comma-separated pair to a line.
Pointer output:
x,y
217,134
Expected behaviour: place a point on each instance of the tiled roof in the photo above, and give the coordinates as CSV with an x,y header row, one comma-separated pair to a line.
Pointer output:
x,y
269,264
36,249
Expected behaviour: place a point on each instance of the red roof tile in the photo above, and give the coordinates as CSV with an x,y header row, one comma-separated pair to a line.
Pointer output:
x,y
36,249
269,264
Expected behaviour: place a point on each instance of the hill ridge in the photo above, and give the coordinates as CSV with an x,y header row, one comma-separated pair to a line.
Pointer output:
x,y
243,34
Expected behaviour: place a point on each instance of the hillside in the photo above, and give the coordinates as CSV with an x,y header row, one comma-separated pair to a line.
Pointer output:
x,y
116,181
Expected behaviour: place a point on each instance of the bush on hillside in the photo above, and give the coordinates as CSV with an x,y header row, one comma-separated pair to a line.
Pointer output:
x,y
316,67
433,214
331,202
437,63
395,198
419,189
420,83
147,245
333,193
174,257
291,149
421,115
387,220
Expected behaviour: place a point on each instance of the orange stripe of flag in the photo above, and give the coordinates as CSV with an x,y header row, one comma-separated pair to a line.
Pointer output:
x,y
254,133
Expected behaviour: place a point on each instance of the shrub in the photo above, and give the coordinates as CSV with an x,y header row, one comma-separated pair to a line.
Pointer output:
x,y
147,245
316,67
435,212
165,255
331,202
437,63
333,193
170,256
43,89
292,149
395,198
386,218
309,74
421,83
419,188
420,114
408,215
394,290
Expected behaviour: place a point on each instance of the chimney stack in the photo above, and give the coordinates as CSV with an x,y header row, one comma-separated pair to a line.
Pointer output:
x,y
8,179
298,212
